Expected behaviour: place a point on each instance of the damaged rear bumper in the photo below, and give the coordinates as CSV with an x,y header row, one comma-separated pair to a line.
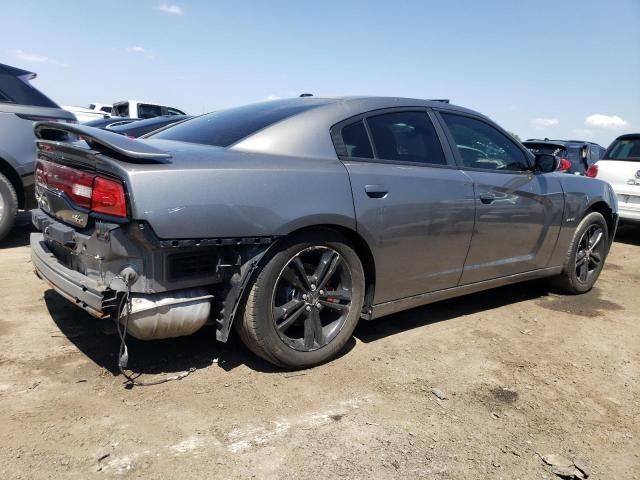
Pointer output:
x,y
75,287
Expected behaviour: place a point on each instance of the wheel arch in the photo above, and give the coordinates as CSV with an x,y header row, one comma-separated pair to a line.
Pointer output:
x,y
231,299
605,210
8,171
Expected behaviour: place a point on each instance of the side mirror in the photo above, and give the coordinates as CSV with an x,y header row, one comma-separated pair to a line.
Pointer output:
x,y
546,163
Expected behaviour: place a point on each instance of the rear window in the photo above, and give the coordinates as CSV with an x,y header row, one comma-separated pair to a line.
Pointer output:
x,y
227,127
624,149
18,90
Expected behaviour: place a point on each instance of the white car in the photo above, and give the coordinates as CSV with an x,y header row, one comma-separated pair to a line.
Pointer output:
x,y
84,115
620,166
101,107
137,109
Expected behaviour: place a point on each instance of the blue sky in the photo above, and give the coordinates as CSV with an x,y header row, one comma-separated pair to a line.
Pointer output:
x,y
563,68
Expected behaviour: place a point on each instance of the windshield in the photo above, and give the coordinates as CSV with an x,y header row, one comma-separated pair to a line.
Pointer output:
x,y
624,149
226,127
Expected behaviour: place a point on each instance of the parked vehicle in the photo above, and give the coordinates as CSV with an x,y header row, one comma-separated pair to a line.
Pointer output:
x,y
111,122
620,166
293,219
20,105
142,127
84,115
101,107
137,109
576,156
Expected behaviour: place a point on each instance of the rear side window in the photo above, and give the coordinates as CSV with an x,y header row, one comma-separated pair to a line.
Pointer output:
x,y
406,137
627,149
356,140
482,146
226,127
173,111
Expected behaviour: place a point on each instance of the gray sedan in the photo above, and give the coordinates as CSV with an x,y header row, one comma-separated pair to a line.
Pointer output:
x,y
293,219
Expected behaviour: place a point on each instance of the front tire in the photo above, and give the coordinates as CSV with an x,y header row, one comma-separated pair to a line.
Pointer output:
x,y
305,303
8,206
585,257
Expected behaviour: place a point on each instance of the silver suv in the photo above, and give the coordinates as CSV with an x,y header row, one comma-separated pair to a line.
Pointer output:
x,y
20,105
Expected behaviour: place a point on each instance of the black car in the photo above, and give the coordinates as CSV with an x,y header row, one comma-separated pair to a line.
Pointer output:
x,y
110,122
576,156
142,127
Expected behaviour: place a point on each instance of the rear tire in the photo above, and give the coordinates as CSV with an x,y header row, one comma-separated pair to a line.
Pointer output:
x,y
8,206
297,322
585,257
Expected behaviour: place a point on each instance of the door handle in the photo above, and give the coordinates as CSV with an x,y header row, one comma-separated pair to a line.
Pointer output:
x,y
376,191
487,198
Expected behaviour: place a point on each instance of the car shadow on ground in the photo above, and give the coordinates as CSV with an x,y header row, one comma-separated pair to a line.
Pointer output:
x,y
19,235
99,341
450,309
628,233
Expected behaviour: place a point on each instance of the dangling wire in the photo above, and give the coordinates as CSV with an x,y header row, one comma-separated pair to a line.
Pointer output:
x,y
123,353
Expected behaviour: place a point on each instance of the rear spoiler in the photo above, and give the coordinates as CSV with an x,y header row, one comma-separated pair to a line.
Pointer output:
x,y
109,143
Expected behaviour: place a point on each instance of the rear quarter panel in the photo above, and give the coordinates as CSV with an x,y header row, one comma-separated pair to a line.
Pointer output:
x,y
239,194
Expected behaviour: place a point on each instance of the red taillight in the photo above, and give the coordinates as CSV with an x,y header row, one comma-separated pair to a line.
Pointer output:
x,y
592,171
565,165
85,189
75,183
108,198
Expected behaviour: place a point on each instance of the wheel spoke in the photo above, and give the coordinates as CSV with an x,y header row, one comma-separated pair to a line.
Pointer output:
x,y
287,308
318,333
301,272
323,266
292,278
584,271
330,271
580,258
309,331
594,243
293,318
337,294
595,259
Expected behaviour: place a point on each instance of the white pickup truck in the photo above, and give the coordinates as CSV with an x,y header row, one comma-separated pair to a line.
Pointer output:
x,y
620,166
138,109
127,108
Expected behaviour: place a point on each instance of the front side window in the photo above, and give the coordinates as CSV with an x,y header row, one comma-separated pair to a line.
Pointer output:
x,y
482,146
121,110
406,137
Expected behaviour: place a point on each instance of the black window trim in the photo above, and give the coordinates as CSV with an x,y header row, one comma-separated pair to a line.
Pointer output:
x,y
529,157
338,143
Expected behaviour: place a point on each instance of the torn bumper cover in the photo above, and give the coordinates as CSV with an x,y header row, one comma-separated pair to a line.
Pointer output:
x,y
72,285
152,316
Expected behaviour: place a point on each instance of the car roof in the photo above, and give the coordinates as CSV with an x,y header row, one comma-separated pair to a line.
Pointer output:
x,y
558,142
629,136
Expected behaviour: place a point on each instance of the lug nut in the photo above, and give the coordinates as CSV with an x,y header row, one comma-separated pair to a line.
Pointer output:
x,y
321,292
304,296
307,308
313,287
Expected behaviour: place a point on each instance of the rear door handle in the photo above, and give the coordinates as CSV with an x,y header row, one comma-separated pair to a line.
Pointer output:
x,y
376,191
487,197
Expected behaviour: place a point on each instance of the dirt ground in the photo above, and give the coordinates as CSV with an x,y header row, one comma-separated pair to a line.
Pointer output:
x,y
525,372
